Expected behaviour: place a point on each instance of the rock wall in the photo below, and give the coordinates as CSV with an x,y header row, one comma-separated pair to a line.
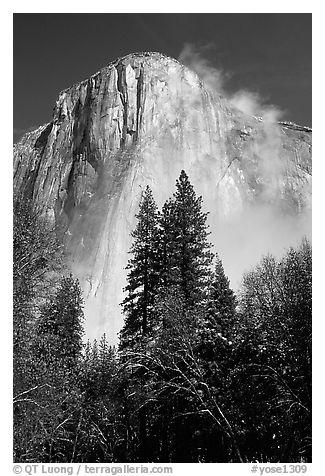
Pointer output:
x,y
140,121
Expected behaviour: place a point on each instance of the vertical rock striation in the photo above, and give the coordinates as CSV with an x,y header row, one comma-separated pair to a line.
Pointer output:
x,y
140,121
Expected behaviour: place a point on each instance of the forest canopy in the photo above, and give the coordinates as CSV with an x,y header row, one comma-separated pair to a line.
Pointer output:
x,y
200,374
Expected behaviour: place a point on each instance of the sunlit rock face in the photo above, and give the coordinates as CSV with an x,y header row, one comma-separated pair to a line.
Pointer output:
x,y
140,121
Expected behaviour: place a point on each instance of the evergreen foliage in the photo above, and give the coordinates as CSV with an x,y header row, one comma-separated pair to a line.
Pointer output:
x,y
201,374
142,274
185,249
59,328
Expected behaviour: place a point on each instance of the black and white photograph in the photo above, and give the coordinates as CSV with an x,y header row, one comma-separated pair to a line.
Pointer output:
x,y
162,239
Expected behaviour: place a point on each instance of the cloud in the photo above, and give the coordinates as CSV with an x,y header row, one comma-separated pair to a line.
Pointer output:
x,y
193,57
263,226
216,78
252,104
260,229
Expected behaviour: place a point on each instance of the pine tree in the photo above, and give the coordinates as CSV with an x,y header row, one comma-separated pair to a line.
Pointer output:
x,y
186,258
98,429
106,363
165,245
221,305
142,276
60,328
214,352
217,327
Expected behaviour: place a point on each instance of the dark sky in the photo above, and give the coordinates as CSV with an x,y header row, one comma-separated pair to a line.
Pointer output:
x,y
266,53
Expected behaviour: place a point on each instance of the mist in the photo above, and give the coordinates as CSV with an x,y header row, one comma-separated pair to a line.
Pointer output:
x,y
264,226
242,241
250,173
215,80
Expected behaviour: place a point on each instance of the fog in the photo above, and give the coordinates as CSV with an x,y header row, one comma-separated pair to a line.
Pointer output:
x,y
255,189
265,226
215,79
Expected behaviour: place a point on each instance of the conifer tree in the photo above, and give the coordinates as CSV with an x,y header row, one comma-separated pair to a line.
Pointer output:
x,y
185,252
221,305
165,245
60,329
214,351
142,276
142,281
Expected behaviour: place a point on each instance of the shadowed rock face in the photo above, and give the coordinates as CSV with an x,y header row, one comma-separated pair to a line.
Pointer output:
x,y
140,121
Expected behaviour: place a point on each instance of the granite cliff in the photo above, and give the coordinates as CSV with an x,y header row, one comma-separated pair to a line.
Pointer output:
x,y
139,121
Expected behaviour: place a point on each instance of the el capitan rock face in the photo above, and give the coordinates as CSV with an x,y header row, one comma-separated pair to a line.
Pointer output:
x,y
140,121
